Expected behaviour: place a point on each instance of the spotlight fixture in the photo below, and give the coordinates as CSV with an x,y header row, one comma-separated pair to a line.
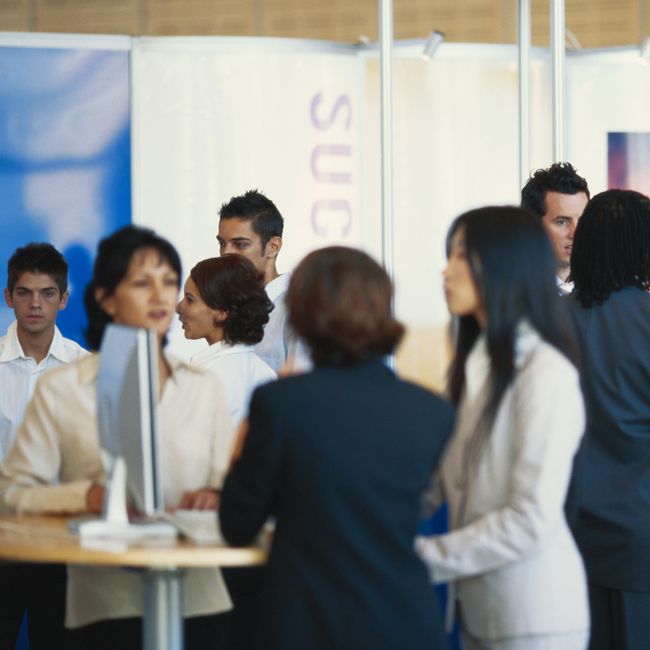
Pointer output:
x,y
433,43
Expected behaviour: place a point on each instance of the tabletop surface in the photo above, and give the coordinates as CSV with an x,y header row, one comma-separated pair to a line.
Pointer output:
x,y
47,539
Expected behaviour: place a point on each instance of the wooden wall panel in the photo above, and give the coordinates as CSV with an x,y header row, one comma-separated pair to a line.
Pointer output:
x,y
595,23
460,20
174,17
87,16
14,15
341,20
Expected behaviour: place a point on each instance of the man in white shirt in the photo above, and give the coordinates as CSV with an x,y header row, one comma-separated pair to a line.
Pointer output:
x,y
558,196
37,289
252,226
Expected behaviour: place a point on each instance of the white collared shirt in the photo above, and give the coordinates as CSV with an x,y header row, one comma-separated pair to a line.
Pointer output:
x,y
279,341
563,287
239,369
18,376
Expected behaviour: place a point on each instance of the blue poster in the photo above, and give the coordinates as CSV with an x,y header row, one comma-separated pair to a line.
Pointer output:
x,y
65,159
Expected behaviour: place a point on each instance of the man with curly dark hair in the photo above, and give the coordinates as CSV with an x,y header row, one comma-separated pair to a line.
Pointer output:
x,y
251,225
558,196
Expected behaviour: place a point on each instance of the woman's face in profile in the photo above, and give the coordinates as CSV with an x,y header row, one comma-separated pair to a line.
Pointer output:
x,y
146,295
460,289
197,319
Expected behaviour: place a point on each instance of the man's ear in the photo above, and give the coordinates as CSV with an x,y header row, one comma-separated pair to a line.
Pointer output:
x,y
8,300
273,246
64,300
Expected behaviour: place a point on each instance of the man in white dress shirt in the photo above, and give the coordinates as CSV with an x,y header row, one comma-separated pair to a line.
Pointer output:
x,y
558,196
37,289
252,226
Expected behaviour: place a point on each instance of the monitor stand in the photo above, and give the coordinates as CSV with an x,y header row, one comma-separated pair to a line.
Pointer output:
x,y
114,522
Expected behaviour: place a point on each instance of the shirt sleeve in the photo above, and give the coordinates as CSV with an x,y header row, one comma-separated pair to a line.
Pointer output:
x,y
32,467
223,437
549,422
249,490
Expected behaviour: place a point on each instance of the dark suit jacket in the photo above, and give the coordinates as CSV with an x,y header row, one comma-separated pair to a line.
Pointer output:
x,y
340,456
609,501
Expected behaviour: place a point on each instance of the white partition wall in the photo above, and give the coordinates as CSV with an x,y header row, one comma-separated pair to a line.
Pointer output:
x,y
215,117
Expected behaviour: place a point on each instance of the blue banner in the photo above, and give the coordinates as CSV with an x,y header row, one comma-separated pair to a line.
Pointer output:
x,y
65,158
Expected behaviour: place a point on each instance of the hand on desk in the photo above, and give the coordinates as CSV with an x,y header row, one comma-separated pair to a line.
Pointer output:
x,y
203,499
95,498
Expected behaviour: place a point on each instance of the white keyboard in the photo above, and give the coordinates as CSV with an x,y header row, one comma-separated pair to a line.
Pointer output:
x,y
197,525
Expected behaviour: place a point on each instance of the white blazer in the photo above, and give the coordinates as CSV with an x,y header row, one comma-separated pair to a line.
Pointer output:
x,y
516,567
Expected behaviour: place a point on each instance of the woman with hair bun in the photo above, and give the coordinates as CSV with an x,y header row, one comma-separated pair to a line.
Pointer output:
x,y
224,302
340,457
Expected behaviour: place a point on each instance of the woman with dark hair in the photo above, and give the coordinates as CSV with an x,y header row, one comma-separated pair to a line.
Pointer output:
x,y
340,457
610,496
509,554
224,302
55,464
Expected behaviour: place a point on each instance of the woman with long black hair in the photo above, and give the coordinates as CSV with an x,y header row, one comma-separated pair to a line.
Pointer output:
x,y
509,554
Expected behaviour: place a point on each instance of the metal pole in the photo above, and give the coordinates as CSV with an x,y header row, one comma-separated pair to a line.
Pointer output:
x,y
386,90
162,624
523,39
557,47
386,87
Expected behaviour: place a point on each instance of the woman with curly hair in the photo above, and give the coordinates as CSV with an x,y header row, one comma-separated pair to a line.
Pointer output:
x,y
610,493
224,302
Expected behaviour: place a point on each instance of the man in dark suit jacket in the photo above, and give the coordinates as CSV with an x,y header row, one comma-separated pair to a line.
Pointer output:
x,y
340,457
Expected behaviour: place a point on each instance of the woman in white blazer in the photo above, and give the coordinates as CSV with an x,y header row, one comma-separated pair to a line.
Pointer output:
x,y
513,567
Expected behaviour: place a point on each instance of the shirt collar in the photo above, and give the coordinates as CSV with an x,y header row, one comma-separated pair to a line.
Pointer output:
x,y
563,287
89,367
58,348
219,349
277,287
14,350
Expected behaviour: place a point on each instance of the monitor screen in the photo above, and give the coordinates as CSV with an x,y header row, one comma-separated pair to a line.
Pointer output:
x,y
127,389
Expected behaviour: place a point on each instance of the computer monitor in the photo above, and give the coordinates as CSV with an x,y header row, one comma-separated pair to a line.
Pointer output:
x,y
127,391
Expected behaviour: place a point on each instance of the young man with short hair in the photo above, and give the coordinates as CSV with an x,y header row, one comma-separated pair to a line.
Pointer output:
x,y
37,289
558,196
252,226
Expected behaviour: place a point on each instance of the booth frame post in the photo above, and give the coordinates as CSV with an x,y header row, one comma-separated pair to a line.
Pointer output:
x,y
558,59
523,40
386,92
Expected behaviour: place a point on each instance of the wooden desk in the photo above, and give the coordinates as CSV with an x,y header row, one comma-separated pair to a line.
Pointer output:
x,y
47,540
